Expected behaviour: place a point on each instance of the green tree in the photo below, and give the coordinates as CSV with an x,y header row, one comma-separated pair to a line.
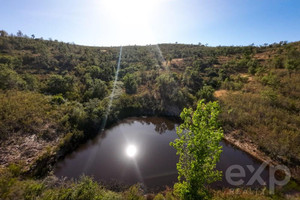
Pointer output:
x,y
10,79
32,82
94,110
58,84
292,65
198,147
277,62
167,87
192,77
207,93
252,66
3,33
95,71
130,83
98,89
19,33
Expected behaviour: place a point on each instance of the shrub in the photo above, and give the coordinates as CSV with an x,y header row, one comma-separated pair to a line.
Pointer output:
x,y
98,89
130,83
58,84
33,190
159,196
270,95
86,189
252,66
32,83
270,80
134,193
58,99
207,93
9,79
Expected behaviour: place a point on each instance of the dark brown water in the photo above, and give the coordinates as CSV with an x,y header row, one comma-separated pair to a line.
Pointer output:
x,y
154,163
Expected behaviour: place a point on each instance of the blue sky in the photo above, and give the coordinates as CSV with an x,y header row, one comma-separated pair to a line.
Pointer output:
x,y
122,22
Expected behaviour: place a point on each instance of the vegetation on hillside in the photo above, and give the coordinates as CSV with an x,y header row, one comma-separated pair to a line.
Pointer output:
x,y
55,95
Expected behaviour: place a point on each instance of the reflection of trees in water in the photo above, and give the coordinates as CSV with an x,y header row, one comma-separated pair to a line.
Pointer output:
x,y
161,128
161,124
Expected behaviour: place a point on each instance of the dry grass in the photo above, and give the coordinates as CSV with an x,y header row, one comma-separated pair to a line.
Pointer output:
x,y
220,93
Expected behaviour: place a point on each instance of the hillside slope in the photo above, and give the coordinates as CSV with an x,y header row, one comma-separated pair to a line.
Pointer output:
x,y
54,95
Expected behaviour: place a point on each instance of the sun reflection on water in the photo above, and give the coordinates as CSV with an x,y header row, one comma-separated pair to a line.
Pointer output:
x,y
131,151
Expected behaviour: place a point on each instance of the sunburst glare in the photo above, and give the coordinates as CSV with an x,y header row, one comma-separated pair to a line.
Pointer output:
x,y
131,151
132,19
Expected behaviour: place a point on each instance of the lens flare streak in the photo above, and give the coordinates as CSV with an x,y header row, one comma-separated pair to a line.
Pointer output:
x,y
93,154
113,91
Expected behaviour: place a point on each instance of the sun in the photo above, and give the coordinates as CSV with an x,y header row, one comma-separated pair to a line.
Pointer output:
x,y
132,19
131,151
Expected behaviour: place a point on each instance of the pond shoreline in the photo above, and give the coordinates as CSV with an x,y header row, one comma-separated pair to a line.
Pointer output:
x,y
245,144
110,145
46,163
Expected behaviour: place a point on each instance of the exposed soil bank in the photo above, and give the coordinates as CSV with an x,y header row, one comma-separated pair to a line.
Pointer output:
x,y
247,145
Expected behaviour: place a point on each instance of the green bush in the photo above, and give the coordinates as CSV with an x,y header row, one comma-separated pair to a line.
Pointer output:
x,y
32,82
134,193
86,189
15,169
58,84
10,79
270,96
97,89
33,190
207,93
232,84
159,196
278,62
130,83
252,66
58,99
270,80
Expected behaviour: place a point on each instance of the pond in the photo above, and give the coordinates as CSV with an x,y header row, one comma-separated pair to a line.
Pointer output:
x,y
137,150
